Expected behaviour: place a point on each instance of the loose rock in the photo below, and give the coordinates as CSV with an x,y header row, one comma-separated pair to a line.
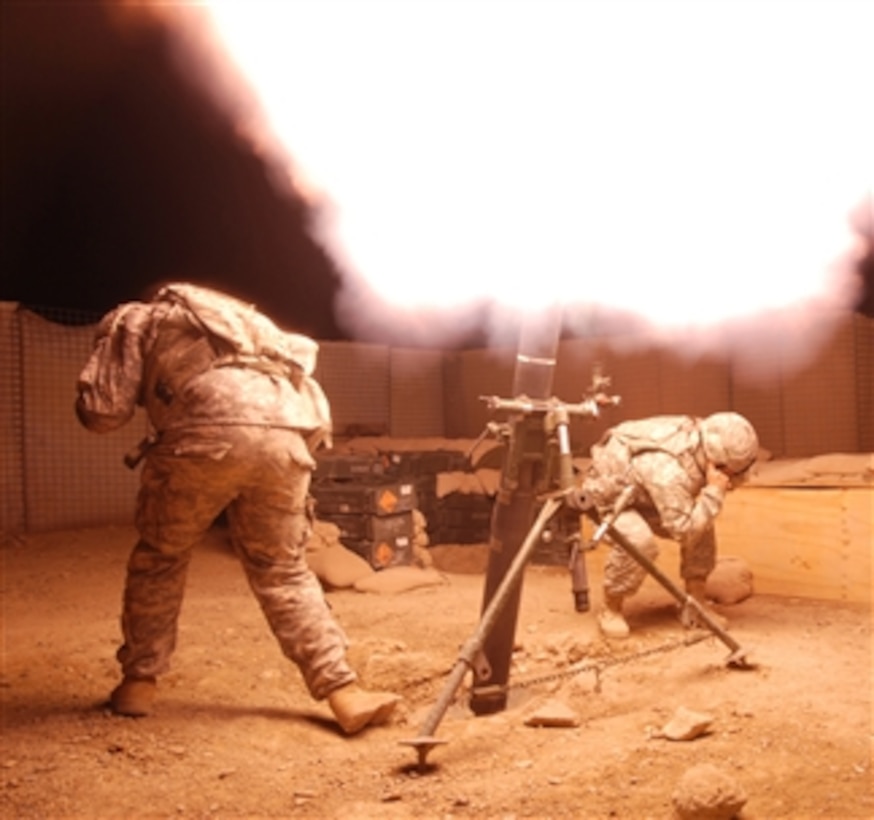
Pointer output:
x,y
553,713
705,792
686,725
731,581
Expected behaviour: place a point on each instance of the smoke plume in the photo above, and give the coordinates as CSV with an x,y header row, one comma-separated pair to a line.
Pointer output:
x,y
688,169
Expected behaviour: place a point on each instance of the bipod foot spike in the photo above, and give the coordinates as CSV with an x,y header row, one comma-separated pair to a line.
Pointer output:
x,y
738,659
423,744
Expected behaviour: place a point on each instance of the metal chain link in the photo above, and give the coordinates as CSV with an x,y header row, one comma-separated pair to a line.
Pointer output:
x,y
600,666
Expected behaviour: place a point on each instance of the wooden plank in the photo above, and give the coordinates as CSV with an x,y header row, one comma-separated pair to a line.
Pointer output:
x,y
811,543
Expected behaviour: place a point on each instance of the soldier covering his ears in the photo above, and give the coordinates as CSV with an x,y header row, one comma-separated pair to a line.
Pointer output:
x,y
680,468
237,417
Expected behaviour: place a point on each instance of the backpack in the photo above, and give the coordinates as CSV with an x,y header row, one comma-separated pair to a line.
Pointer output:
x,y
238,329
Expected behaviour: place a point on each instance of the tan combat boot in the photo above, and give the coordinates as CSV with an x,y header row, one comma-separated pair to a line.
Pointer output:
x,y
356,708
697,589
610,619
133,697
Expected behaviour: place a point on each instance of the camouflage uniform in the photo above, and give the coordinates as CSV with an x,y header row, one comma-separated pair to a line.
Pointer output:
x,y
663,458
236,417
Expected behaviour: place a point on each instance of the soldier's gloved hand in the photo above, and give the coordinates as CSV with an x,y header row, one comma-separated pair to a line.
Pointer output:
x,y
717,477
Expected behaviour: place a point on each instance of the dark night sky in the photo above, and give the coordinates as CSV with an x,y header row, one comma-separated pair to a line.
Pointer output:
x,y
117,175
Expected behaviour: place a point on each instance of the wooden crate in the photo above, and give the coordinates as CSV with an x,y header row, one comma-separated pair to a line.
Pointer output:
x,y
806,542
811,542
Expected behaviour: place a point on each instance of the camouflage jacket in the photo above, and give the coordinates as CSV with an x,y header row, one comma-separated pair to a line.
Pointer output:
x,y
664,459
194,357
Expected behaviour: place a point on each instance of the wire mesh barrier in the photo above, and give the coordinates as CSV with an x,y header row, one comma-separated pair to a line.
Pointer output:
x,y
59,474
55,475
863,359
11,425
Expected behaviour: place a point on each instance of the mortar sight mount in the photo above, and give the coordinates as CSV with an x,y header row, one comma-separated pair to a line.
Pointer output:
x,y
540,428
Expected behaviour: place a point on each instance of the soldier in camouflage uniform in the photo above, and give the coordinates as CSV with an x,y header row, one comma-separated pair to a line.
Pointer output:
x,y
236,418
680,468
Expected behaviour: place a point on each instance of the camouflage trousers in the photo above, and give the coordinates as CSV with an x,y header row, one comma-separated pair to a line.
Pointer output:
x,y
623,575
256,476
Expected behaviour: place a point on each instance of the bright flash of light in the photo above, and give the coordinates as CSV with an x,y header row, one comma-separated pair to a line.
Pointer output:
x,y
691,164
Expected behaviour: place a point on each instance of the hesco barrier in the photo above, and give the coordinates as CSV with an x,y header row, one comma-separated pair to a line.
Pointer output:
x,y
56,475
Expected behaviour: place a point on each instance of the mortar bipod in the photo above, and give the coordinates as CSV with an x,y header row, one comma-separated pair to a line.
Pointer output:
x,y
471,651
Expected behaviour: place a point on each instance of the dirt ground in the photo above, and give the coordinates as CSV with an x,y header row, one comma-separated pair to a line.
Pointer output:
x,y
235,734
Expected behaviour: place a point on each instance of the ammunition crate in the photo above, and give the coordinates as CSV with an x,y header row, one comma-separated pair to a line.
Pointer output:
x,y
362,467
413,463
351,489
373,527
382,540
351,498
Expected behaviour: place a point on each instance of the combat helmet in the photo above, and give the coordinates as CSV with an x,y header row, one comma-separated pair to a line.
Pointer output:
x,y
730,442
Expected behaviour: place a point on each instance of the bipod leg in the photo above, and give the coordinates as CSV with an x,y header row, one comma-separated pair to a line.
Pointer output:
x,y
426,740
737,658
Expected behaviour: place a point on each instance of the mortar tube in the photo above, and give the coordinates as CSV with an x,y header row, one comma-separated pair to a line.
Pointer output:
x,y
514,507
